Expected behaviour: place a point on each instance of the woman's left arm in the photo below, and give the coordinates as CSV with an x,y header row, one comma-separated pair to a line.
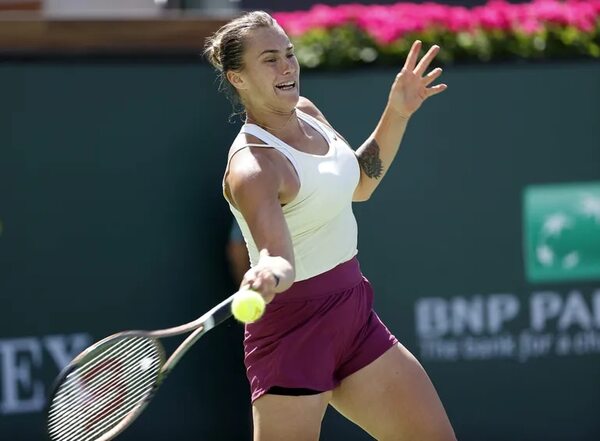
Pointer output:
x,y
408,92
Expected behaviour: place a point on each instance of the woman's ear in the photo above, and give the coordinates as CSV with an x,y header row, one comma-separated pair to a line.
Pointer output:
x,y
236,80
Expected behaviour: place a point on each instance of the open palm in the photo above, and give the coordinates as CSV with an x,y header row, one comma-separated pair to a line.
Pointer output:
x,y
410,87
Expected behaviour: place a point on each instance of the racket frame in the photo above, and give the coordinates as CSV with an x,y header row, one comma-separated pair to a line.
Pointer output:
x,y
199,327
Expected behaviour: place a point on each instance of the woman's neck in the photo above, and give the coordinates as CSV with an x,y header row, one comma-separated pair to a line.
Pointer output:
x,y
277,122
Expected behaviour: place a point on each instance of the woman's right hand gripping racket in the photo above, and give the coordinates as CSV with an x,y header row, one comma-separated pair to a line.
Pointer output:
x,y
107,386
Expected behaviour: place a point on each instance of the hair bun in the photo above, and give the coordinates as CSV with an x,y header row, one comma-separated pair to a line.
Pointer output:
x,y
212,52
224,49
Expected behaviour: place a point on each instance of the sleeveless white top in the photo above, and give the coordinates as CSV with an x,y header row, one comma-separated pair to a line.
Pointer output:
x,y
320,219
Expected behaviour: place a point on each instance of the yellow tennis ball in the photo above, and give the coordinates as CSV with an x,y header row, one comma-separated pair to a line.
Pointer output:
x,y
247,306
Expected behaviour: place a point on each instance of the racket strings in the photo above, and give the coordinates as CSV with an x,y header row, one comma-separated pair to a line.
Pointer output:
x,y
72,387
98,395
76,390
100,400
109,405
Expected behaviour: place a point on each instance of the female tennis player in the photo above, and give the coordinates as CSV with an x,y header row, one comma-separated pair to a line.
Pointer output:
x,y
290,181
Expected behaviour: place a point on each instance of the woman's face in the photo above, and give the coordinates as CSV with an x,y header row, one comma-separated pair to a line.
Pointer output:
x,y
270,77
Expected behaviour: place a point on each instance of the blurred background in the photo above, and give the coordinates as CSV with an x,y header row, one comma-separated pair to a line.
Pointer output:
x,y
483,245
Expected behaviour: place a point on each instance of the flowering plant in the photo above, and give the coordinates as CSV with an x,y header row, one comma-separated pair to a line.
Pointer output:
x,y
353,34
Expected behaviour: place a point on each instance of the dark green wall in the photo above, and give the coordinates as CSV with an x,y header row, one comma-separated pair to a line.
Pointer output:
x,y
112,219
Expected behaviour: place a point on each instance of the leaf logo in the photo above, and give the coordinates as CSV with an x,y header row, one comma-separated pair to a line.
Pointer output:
x,y
562,232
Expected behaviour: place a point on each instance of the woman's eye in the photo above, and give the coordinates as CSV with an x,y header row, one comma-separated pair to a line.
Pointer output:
x,y
290,55
271,60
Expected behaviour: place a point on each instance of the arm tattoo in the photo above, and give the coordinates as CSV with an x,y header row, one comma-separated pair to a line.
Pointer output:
x,y
369,159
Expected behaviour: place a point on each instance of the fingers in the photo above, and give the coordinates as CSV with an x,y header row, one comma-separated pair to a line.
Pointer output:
x,y
261,280
436,89
419,69
432,76
427,59
411,60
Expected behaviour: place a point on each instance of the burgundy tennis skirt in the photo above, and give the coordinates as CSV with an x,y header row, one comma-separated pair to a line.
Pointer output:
x,y
316,333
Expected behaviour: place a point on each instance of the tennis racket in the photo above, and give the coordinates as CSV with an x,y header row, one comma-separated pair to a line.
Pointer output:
x,y
106,387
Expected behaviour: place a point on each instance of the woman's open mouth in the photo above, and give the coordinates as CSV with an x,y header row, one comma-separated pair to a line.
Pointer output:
x,y
289,85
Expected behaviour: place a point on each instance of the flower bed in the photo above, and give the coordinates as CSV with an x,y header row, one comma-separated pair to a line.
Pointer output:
x,y
353,34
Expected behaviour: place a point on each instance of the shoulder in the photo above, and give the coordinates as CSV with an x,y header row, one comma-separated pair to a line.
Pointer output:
x,y
251,170
308,107
253,177
243,140
246,154
247,161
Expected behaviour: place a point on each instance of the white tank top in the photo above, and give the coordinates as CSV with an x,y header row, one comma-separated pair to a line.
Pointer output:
x,y
320,218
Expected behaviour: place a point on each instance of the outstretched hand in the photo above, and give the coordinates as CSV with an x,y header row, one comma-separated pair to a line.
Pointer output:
x,y
410,87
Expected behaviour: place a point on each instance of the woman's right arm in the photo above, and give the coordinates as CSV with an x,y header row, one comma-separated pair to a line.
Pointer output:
x,y
254,183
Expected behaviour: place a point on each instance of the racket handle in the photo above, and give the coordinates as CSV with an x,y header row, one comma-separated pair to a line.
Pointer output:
x,y
212,318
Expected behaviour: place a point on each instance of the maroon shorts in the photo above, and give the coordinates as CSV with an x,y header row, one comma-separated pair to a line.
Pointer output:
x,y
316,333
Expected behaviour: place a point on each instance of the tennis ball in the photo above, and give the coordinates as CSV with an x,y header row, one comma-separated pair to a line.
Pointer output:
x,y
247,306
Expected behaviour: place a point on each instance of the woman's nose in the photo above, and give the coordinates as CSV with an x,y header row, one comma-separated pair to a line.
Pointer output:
x,y
288,66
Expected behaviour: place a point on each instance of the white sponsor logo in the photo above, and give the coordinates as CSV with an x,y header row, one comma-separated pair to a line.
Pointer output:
x,y
21,361
504,326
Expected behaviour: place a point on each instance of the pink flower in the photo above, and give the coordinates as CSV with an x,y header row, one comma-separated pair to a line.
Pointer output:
x,y
459,19
549,11
531,26
583,16
328,16
294,23
496,15
388,23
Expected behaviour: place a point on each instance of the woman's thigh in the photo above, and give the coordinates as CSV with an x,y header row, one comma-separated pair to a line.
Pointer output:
x,y
290,418
393,399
